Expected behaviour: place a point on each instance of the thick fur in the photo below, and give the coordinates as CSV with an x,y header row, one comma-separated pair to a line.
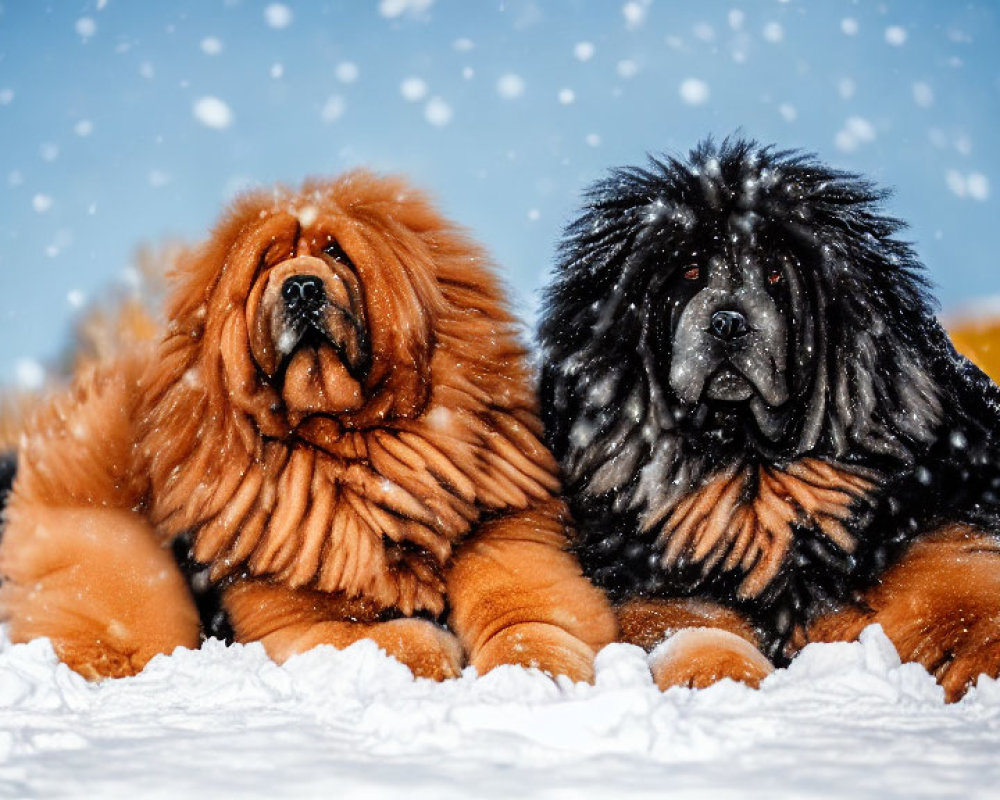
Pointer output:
x,y
756,410
360,462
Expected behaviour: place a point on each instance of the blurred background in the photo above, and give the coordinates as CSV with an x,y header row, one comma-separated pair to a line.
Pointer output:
x,y
127,123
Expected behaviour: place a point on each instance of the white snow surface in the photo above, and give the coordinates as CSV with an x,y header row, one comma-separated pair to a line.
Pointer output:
x,y
845,720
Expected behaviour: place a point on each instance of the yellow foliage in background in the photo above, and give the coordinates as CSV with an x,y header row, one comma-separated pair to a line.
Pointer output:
x,y
979,341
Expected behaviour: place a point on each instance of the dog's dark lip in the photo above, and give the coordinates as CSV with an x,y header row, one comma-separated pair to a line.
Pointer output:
x,y
311,333
729,370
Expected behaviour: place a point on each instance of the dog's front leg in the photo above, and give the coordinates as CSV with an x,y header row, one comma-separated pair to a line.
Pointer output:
x,y
518,597
940,606
97,583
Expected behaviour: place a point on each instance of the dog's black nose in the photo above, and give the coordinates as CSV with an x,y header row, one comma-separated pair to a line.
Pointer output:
x,y
728,325
303,293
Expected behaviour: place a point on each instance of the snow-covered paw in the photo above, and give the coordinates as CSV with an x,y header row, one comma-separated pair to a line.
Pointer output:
x,y
427,649
699,657
549,648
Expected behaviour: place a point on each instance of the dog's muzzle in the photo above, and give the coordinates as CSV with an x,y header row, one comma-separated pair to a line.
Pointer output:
x,y
729,345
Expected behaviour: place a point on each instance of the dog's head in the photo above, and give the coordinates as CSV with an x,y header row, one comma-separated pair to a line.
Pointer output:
x,y
315,308
745,301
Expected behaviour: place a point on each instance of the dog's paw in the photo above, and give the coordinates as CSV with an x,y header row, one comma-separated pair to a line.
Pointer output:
x,y
96,661
427,649
699,657
963,667
546,647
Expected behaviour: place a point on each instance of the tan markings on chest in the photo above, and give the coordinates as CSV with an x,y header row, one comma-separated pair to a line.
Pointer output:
x,y
745,519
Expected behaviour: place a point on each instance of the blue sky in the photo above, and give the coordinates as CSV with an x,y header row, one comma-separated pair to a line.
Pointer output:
x,y
123,123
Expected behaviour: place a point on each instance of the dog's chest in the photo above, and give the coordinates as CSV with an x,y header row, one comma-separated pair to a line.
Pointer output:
x,y
381,526
745,520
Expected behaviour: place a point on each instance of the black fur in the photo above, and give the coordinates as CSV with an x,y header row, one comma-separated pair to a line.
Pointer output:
x,y
8,469
868,378
207,595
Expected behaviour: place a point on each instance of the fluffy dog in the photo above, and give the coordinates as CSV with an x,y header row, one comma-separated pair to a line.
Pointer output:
x,y
766,437
340,418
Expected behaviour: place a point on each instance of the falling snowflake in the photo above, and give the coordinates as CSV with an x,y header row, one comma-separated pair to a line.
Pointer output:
x,y
347,72
635,14
627,68
694,92
413,89
584,51
86,27
333,108
213,113
211,46
437,112
29,374
510,86
923,95
975,185
856,131
158,178
390,9
895,35
278,16
773,32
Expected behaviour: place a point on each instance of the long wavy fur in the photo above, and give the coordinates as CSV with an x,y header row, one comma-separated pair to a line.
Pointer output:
x,y
876,390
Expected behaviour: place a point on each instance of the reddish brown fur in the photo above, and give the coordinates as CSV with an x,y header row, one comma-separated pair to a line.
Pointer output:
x,y
938,605
646,623
715,642
380,497
745,518
699,657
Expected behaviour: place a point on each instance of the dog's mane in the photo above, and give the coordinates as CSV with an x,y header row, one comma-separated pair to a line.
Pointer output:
x,y
871,390
449,432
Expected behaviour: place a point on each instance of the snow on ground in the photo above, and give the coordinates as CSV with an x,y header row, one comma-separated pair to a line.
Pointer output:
x,y
845,720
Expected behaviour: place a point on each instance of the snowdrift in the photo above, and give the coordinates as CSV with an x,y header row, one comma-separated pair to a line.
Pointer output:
x,y
845,720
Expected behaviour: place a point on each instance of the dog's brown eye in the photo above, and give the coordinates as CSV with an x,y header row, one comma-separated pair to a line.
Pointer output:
x,y
692,273
774,277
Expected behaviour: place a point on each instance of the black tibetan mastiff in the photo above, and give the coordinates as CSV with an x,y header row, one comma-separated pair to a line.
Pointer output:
x,y
766,437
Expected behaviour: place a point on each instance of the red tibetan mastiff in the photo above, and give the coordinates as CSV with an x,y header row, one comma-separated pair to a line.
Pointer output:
x,y
339,418
766,437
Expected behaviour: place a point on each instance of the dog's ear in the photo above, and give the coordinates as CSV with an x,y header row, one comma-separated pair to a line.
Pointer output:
x,y
594,320
383,227
884,395
238,243
880,390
